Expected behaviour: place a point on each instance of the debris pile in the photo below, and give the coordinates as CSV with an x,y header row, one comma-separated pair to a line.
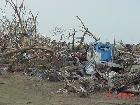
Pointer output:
x,y
95,66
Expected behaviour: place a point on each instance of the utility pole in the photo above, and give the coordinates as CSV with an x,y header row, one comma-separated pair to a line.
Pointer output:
x,y
73,38
113,52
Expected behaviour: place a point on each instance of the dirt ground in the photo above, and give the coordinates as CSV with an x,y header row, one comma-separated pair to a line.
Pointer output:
x,y
16,89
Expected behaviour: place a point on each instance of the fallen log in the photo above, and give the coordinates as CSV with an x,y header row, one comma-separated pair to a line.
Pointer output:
x,y
49,49
132,91
70,68
68,84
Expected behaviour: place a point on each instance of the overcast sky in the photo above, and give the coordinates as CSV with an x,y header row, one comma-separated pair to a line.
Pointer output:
x,y
103,17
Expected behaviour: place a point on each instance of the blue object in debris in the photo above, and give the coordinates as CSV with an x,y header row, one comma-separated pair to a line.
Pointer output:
x,y
105,49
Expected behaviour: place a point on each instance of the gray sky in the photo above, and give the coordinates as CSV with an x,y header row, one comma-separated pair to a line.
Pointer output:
x,y
103,17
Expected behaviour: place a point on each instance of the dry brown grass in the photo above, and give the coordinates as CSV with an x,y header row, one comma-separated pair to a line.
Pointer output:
x,y
25,90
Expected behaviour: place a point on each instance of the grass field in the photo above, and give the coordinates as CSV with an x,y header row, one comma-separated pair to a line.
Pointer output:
x,y
16,89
